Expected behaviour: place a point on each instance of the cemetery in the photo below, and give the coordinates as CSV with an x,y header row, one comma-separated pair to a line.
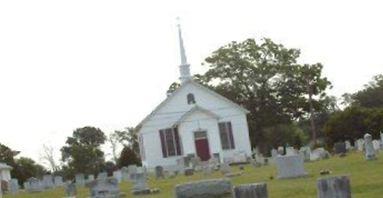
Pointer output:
x,y
355,174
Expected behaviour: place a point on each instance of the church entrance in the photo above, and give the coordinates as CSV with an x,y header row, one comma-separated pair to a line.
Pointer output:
x,y
202,145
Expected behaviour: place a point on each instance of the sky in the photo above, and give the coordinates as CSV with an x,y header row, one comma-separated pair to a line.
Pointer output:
x,y
74,63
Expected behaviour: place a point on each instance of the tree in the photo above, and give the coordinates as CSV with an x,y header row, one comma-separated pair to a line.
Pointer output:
x,y
26,168
265,78
128,157
48,157
82,152
352,123
370,97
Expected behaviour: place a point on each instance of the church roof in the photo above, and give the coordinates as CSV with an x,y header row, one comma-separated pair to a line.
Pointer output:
x,y
179,89
191,111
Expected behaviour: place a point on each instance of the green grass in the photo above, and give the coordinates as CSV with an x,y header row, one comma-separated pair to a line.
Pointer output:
x,y
366,180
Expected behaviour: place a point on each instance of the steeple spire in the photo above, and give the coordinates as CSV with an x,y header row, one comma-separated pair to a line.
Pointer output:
x,y
184,67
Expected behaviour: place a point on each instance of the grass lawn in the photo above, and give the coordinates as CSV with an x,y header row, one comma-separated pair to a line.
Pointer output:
x,y
366,179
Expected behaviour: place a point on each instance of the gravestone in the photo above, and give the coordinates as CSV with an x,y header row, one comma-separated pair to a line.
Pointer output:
x,y
132,169
319,154
90,178
256,190
207,169
274,153
189,171
360,144
290,166
305,152
376,145
80,179
337,187
125,173
14,186
102,175
104,188
348,145
369,147
159,172
340,147
221,188
47,181
34,185
70,189
381,139
118,175
139,184
280,150
291,151
58,181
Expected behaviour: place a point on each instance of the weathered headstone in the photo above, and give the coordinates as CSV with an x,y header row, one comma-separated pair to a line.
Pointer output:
x,y
381,139
305,152
376,145
348,145
47,181
58,181
280,150
34,185
207,169
337,187
132,169
291,151
70,189
319,154
290,166
118,175
80,179
360,144
125,173
221,188
159,172
90,178
104,188
139,184
340,147
14,186
274,153
189,171
369,147
256,190
102,175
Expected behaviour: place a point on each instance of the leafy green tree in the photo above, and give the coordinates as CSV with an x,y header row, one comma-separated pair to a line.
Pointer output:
x,y
128,157
26,168
266,79
352,123
283,134
82,152
370,97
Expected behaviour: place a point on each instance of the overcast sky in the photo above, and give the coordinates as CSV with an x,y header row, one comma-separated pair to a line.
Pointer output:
x,y
68,64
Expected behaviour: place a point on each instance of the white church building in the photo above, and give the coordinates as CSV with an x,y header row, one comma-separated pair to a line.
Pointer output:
x,y
193,121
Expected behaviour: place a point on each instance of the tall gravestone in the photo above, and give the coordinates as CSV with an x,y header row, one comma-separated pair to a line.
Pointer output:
x,y
132,169
290,166
305,152
159,172
58,181
257,190
48,181
221,188
118,175
376,144
340,148
80,179
334,187
360,144
139,183
369,147
14,186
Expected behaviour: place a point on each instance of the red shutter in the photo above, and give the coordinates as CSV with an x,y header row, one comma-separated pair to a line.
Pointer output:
x,y
162,137
177,139
230,130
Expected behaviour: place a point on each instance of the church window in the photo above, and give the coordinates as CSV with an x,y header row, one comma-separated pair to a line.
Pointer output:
x,y
226,134
170,142
190,98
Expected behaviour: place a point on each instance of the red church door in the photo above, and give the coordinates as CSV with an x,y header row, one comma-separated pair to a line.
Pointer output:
x,y
202,145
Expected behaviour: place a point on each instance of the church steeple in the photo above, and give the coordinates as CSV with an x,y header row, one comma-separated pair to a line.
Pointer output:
x,y
184,66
